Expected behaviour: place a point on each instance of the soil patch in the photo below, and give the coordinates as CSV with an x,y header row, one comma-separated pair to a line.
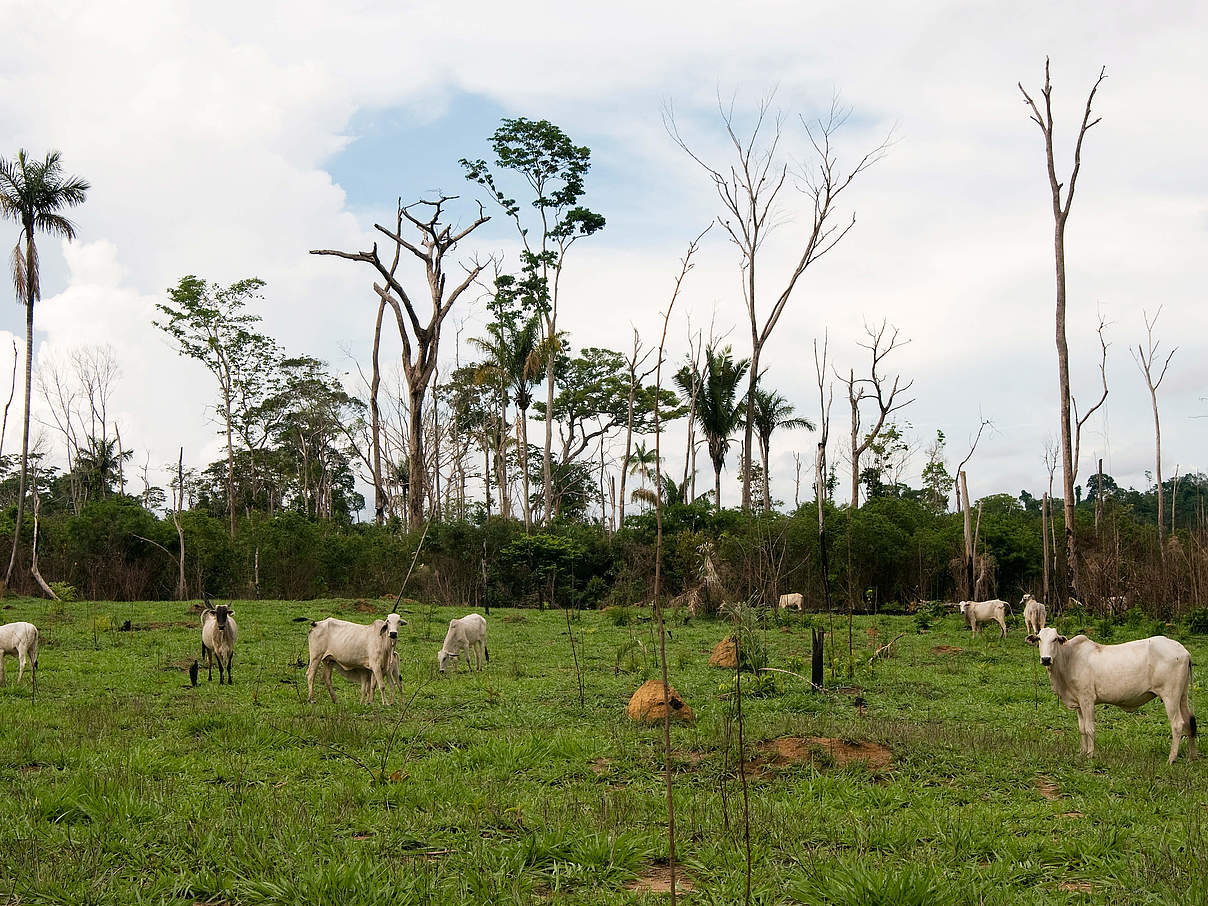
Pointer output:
x,y
648,705
688,757
601,766
819,750
1077,886
725,654
946,649
1048,789
364,606
657,879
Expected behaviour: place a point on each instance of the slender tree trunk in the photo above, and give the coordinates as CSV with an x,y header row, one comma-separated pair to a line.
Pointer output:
x,y
178,504
29,373
547,475
1157,441
33,565
1046,543
767,495
970,583
717,487
12,392
230,476
417,485
375,419
522,440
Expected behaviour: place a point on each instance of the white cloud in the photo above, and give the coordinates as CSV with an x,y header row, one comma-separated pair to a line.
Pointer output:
x,y
207,132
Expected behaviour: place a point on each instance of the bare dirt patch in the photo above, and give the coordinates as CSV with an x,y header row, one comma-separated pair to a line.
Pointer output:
x,y
363,606
657,879
1072,815
1048,789
601,766
690,758
946,649
822,751
1076,886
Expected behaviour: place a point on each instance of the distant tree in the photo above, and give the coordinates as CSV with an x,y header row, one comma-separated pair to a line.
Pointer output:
x,y
553,167
1146,358
34,193
1061,213
717,408
936,477
772,412
748,188
420,341
213,324
98,465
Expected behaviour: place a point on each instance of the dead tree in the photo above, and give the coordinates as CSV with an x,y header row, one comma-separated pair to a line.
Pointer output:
x,y
1146,358
749,190
420,341
962,505
873,388
1061,213
826,396
636,360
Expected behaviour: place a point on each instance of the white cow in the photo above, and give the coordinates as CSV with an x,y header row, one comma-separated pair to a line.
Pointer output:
x,y
21,641
361,653
1034,614
468,634
984,612
1084,673
794,601
218,634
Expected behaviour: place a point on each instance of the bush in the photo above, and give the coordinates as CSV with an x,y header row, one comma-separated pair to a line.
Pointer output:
x,y
64,591
1197,621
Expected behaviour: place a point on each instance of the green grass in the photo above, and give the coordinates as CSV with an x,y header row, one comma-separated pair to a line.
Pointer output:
x,y
122,784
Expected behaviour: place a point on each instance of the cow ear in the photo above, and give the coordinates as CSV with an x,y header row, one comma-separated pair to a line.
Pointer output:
x,y
1061,640
382,631
1032,640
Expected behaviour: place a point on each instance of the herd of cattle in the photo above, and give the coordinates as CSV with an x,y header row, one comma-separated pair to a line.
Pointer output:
x,y
1082,672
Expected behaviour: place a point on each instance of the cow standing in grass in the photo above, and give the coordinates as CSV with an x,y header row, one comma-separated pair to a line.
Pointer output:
x,y
985,612
362,654
218,635
468,634
1084,673
1034,614
21,641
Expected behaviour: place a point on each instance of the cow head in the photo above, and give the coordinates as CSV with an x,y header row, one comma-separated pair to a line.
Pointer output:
x,y
221,612
391,624
1024,600
1048,640
443,658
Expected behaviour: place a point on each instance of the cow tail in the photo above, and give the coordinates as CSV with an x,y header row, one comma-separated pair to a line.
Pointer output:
x,y
1191,728
488,651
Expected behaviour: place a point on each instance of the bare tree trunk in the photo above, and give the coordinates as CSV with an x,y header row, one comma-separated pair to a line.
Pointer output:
x,y
1145,358
375,421
33,566
1046,543
522,442
29,373
1061,213
177,505
12,391
970,583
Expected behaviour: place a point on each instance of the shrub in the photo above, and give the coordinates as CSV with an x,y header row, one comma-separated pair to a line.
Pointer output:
x,y
64,591
1197,621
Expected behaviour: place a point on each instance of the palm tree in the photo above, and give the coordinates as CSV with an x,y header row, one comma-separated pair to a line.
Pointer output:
x,y
717,410
99,466
643,462
33,193
516,363
772,411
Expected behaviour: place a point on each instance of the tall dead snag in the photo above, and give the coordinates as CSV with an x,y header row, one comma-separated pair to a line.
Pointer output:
x,y
178,504
873,388
749,189
1061,213
420,340
1146,358
824,406
685,266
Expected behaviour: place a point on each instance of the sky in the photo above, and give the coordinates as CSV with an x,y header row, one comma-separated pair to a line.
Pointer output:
x,y
227,140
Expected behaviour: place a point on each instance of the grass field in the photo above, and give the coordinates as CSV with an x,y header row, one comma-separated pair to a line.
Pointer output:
x,y
122,784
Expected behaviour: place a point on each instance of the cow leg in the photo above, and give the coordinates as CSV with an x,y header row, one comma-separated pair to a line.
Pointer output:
x,y
1003,623
310,679
230,658
381,684
3,678
1174,713
1086,728
21,668
327,668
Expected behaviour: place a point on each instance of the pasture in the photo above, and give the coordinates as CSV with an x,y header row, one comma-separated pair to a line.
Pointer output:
x,y
122,784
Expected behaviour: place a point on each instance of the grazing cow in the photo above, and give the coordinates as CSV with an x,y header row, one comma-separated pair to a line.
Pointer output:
x,y
793,600
1034,614
218,634
468,634
984,612
21,641
1084,673
362,654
